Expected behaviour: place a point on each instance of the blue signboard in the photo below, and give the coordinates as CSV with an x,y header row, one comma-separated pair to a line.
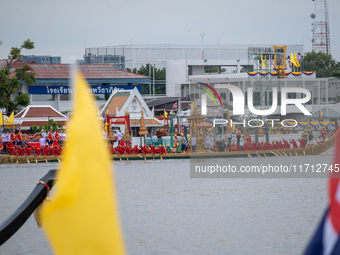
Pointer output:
x,y
94,89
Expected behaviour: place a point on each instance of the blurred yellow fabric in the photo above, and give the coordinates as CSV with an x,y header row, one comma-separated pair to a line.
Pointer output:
x,y
82,216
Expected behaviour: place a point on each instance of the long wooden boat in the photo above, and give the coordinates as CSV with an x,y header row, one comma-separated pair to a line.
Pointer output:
x,y
314,149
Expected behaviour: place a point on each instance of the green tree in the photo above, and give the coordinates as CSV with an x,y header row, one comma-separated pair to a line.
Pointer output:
x,y
160,76
10,80
322,63
52,124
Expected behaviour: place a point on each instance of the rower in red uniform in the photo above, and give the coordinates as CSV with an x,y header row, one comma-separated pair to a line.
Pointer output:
x,y
153,149
286,144
162,150
120,149
141,149
238,147
135,149
47,151
254,147
245,146
127,149
12,151
56,150
36,150
302,142
233,147
27,151
20,151
293,142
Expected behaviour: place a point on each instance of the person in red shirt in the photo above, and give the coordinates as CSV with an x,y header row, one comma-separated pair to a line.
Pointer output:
x,y
45,151
238,147
302,143
50,137
19,138
293,142
27,151
56,138
12,150
20,151
135,149
13,138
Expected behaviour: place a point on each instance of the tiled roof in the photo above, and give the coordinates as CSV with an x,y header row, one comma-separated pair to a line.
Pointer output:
x,y
90,71
39,111
17,63
116,102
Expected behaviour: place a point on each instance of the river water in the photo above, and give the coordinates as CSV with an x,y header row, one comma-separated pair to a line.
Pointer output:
x,y
164,211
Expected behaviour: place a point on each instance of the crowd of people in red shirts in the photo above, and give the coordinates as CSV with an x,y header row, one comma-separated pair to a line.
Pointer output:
x,y
127,149
49,143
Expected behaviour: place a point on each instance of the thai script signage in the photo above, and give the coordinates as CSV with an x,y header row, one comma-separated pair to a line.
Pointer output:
x,y
94,89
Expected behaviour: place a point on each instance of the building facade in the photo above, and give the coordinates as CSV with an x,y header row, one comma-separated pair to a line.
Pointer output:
x,y
52,86
43,59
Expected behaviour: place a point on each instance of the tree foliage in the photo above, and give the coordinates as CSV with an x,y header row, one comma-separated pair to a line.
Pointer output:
x,y
322,63
214,69
148,70
10,81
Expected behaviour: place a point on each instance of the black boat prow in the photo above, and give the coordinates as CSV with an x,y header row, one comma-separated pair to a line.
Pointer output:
x,y
14,222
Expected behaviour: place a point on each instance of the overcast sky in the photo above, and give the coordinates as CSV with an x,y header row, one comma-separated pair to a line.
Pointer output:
x,y
64,27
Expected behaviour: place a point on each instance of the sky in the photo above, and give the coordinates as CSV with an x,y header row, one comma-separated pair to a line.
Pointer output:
x,y
65,27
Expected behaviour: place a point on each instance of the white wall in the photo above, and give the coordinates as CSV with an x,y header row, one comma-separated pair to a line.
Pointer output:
x,y
176,74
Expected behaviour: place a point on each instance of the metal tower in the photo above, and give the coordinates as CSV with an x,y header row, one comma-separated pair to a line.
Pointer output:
x,y
321,39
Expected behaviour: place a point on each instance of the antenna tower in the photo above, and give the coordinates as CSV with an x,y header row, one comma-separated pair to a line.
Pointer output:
x,y
321,38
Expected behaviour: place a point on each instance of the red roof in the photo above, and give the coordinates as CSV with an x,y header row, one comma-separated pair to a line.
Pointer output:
x,y
39,111
17,63
90,71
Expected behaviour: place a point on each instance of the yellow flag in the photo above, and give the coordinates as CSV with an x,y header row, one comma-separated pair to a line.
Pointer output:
x,y
82,217
296,60
320,113
10,120
265,61
1,119
106,129
292,59
192,105
165,114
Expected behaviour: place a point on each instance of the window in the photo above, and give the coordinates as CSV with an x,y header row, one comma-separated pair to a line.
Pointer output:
x,y
224,95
